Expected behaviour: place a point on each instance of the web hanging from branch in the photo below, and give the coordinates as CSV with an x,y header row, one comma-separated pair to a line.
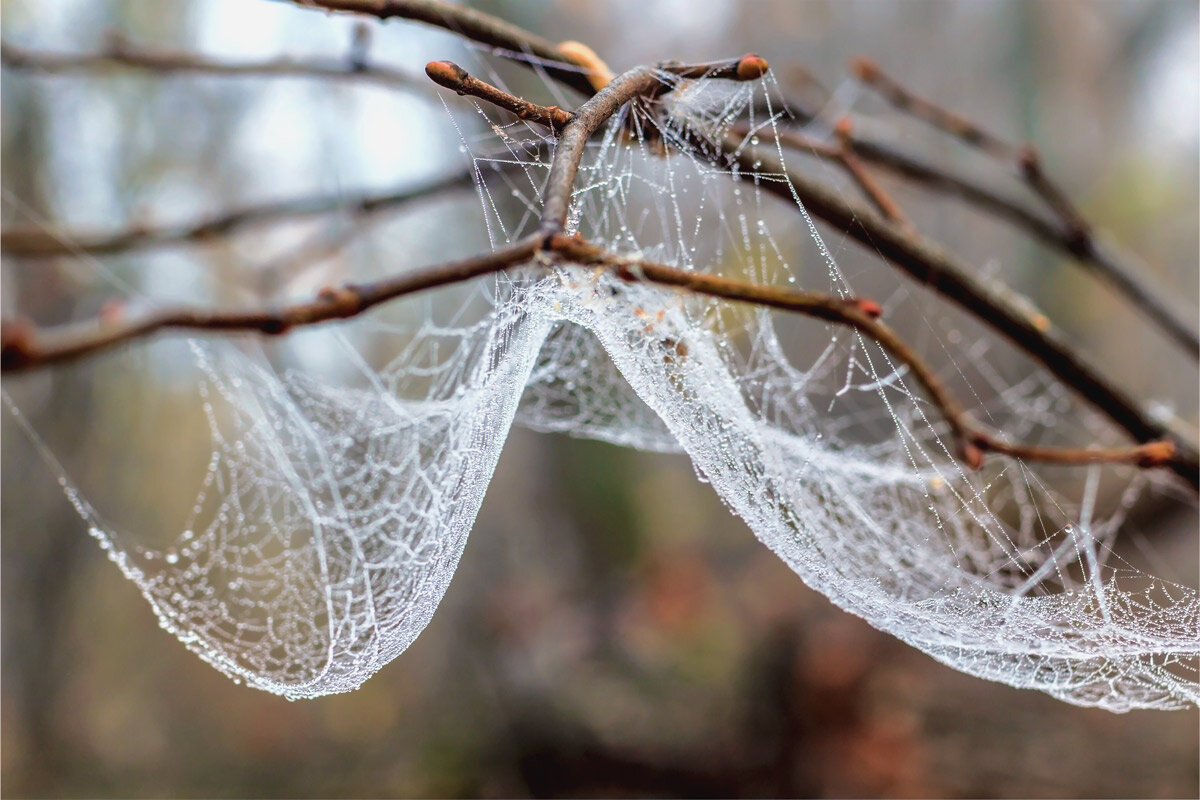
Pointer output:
x,y
334,509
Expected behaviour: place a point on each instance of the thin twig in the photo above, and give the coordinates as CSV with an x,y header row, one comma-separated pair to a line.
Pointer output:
x,y
31,242
930,112
507,39
24,347
121,53
457,79
1025,157
1119,270
842,154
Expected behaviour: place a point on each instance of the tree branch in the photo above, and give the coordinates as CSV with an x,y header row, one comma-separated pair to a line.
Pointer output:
x,y
973,440
1072,234
30,242
1003,310
121,53
843,154
556,197
506,39
23,347
457,79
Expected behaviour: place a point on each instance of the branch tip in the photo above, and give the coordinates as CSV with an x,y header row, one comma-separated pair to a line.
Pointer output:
x,y
868,307
597,72
751,67
864,68
1031,165
1158,453
447,74
972,455
17,341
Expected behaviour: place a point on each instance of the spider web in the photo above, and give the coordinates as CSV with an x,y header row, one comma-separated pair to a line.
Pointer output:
x,y
336,503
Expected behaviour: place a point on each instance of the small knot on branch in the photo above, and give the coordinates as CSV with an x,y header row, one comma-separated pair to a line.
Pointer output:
x,y
751,67
343,298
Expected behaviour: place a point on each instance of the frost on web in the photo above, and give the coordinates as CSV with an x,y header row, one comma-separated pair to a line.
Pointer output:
x,y
334,510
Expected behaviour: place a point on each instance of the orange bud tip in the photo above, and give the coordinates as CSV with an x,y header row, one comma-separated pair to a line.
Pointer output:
x,y
1028,159
972,455
844,126
870,308
16,341
751,67
1156,454
112,311
446,73
864,68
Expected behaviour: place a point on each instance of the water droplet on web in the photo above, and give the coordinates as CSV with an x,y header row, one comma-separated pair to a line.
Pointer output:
x,y
754,140
171,557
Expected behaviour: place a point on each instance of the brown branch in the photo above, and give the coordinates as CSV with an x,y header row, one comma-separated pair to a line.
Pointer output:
x,y
1119,271
749,67
556,199
1025,158
876,193
23,347
31,242
1077,227
930,112
121,53
843,155
507,39
1002,309
457,79
973,440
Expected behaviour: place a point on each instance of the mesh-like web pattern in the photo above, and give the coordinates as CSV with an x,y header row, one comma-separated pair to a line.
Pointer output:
x,y
333,516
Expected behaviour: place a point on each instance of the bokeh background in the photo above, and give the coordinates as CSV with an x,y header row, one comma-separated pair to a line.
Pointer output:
x,y
612,629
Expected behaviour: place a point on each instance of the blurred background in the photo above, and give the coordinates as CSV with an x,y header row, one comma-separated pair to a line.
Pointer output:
x,y
612,629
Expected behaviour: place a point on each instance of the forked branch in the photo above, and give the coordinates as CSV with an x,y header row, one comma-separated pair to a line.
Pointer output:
x,y
25,347
1072,234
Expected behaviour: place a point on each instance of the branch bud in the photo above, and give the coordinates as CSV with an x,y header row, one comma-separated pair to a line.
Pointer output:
x,y
751,67
448,74
864,69
1157,454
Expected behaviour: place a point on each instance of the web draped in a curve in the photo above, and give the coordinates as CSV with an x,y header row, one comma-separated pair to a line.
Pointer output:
x,y
333,516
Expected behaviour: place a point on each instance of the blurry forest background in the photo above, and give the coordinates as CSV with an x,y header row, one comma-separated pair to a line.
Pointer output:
x,y
612,628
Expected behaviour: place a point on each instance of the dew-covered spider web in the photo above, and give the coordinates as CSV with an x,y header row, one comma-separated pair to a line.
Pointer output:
x,y
336,503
